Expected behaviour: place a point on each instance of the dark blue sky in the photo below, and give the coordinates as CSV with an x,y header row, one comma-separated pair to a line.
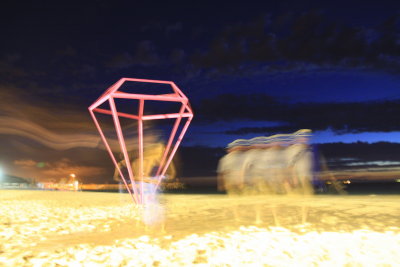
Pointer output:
x,y
249,69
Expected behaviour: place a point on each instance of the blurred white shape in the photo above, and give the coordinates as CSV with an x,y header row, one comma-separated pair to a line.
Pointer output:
x,y
230,169
278,164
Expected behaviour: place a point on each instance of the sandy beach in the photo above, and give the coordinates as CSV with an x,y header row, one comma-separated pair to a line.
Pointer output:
x,y
51,228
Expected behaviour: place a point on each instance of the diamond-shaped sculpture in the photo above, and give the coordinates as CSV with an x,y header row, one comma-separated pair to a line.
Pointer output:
x,y
137,188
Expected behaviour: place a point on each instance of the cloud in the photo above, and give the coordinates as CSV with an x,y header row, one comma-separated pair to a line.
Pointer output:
x,y
382,157
67,51
378,116
121,61
10,71
285,42
375,163
232,107
362,160
262,130
173,28
145,54
177,56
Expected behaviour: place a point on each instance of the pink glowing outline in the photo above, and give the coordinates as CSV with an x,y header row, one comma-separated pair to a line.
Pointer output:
x,y
112,94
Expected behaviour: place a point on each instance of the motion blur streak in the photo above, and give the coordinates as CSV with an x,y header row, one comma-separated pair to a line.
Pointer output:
x,y
280,164
48,138
52,126
33,131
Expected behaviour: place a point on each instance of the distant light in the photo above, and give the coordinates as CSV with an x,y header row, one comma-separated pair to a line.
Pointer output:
x,y
41,164
72,175
398,180
347,182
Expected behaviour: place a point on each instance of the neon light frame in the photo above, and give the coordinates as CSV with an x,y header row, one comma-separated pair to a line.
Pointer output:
x,y
185,112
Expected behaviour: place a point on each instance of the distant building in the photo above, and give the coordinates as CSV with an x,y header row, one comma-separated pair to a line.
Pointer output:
x,y
13,182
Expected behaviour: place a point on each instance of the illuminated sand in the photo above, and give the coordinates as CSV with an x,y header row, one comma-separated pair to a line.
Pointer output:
x,y
67,228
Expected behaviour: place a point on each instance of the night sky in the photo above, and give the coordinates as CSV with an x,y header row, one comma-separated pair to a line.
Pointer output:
x,y
249,69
